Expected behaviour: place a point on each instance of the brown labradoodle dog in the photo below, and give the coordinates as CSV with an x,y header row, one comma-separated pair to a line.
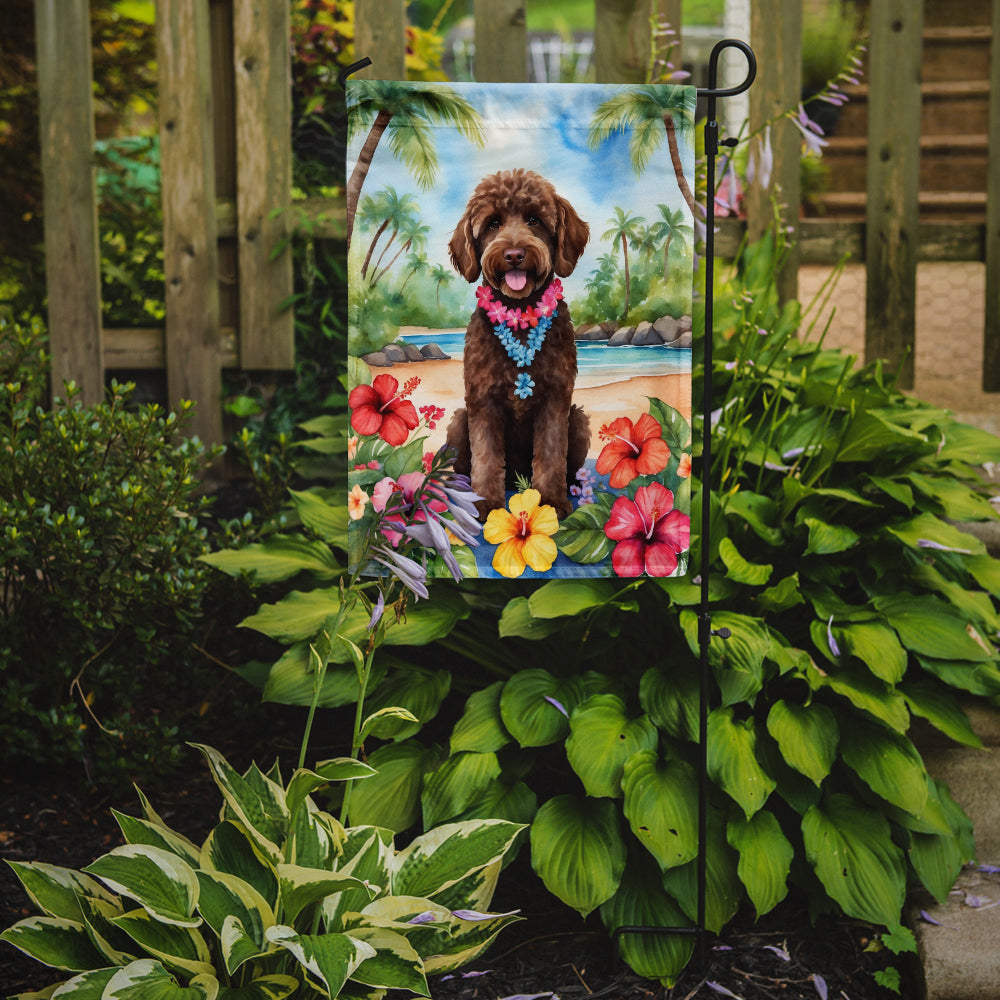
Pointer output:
x,y
519,419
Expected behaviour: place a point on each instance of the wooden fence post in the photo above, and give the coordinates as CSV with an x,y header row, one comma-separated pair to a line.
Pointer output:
x,y
380,34
991,331
262,60
776,35
621,40
72,255
893,183
190,251
501,37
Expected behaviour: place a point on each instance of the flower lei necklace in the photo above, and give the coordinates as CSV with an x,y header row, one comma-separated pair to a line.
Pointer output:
x,y
537,319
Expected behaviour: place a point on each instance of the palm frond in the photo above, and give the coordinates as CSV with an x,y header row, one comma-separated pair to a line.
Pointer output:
x,y
411,140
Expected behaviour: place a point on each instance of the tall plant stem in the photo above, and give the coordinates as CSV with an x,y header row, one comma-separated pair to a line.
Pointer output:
x,y
357,739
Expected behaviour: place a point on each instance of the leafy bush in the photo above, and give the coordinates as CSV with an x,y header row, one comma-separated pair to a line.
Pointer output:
x,y
854,603
99,540
280,899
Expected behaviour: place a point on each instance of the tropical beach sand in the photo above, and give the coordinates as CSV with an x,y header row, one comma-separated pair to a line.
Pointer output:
x,y
442,384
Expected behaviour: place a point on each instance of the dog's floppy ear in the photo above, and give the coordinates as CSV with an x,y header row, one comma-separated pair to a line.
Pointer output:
x,y
572,234
462,248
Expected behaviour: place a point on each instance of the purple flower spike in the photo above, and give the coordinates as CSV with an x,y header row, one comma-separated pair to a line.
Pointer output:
x,y
552,701
476,915
927,543
780,952
427,917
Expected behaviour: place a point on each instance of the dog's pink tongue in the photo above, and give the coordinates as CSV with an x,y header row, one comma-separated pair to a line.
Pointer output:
x,y
516,280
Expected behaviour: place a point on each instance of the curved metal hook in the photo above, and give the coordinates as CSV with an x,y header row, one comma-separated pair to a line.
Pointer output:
x,y
348,70
713,69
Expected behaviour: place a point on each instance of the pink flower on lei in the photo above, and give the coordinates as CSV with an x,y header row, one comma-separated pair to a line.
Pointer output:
x,y
649,531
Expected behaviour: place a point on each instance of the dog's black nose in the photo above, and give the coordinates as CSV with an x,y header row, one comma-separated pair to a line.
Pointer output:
x,y
514,257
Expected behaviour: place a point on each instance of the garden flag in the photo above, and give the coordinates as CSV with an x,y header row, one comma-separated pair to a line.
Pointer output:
x,y
520,278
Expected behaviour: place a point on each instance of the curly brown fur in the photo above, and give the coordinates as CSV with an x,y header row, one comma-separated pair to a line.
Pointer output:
x,y
520,234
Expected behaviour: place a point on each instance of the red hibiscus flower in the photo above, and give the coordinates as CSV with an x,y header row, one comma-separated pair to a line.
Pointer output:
x,y
380,408
632,450
649,532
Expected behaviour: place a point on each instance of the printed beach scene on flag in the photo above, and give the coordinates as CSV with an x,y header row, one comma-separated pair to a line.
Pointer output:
x,y
520,278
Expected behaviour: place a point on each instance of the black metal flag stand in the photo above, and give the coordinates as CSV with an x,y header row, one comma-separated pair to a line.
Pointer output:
x,y
705,631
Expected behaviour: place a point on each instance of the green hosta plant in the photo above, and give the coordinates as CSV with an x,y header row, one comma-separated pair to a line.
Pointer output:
x,y
279,900
855,605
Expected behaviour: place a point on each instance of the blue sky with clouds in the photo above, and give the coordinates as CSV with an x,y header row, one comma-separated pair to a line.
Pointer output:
x,y
542,128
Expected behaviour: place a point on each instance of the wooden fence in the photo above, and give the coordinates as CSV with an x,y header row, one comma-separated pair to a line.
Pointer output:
x,y
226,161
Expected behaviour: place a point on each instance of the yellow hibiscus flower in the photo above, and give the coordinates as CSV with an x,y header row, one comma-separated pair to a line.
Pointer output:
x,y
521,535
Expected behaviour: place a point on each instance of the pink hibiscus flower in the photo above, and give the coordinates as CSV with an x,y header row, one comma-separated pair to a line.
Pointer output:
x,y
632,450
649,531
381,408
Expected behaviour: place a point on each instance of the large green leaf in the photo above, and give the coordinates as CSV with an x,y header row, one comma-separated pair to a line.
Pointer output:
x,y
581,535
870,436
888,763
55,941
275,987
230,849
225,897
765,858
481,728
279,558
456,784
179,948
602,738
330,959
578,851
147,979
530,706
516,803
559,598
940,707
420,691
391,798
292,679
661,799
143,831
732,760
438,859
723,889
86,986
304,782
807,736
739,569
327,520
641,901
301,887
516,619
738,661
164,885
851,850
56,891
866,692
876,646
827,539
670,698
926,528
976,678
932,628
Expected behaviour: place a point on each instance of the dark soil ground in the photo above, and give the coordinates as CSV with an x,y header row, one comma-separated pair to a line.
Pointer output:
x,y
552,952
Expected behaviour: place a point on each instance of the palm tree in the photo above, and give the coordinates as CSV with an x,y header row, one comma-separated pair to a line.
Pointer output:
x,y
416,239
385,208
624,227
441,275
415,264
644,109
670,224
407,111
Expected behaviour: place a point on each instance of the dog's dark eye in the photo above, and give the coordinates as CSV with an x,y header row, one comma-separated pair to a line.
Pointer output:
x,y
494,223
533,220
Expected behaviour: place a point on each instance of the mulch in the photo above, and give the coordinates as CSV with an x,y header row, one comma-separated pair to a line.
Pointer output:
x,y
551,953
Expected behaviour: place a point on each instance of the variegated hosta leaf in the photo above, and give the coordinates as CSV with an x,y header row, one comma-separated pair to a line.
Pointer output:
x,y
256,801
54,941
230,849
850,847
441,857
304,782
642,902
177,947
395,964
275,987
329,959
56,891
807,736
86,986
732,760
147,979
481,728
225,897
456,784
476,890
765,858
578,851
367,853
315,838
467,941
602,737
158,880
661,799
141,831
116,946
300,887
